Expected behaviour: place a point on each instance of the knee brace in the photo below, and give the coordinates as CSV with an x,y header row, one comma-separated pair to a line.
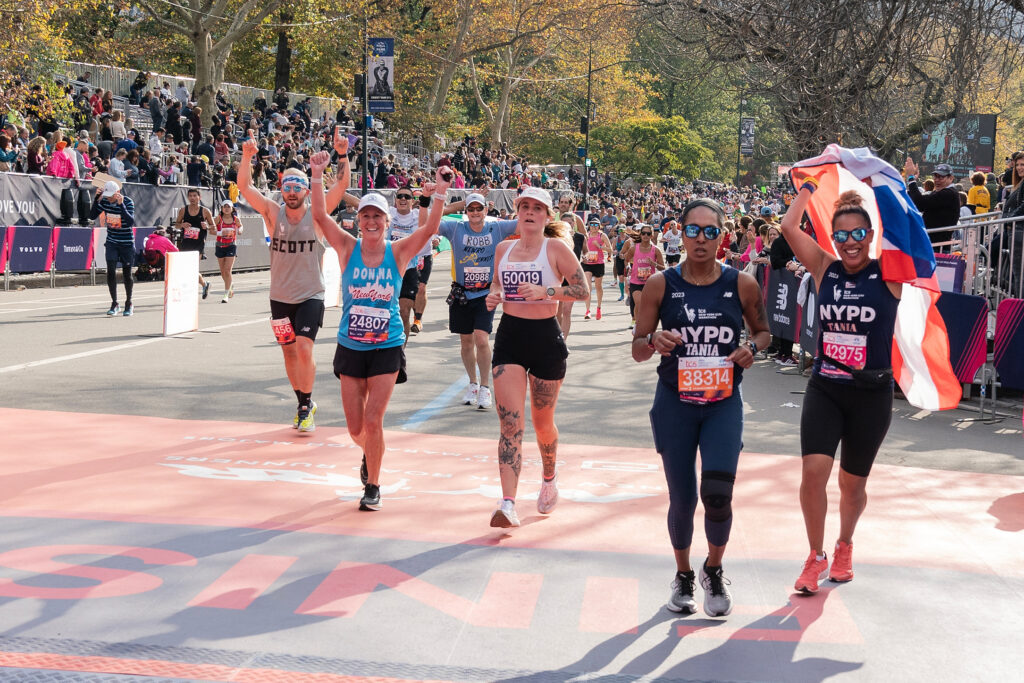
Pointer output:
x,y
716,494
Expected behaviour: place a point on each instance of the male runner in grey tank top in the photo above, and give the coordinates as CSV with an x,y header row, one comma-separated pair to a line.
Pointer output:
x,y
296,269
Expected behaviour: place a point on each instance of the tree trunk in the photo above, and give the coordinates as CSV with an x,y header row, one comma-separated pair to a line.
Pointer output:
x,y
501,113
283,61
443,83
207,80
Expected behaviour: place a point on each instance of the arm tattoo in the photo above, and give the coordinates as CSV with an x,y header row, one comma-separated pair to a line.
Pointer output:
x,y
510,444
577,287
543,392
761,317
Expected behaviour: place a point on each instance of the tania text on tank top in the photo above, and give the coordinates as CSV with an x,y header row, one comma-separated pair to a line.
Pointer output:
x,y
857,315
709,318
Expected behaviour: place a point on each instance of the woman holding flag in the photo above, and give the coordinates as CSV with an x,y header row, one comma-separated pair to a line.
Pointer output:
x,y
849,395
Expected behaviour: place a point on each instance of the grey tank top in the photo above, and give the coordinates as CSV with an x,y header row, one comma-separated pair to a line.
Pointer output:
x,y
296,260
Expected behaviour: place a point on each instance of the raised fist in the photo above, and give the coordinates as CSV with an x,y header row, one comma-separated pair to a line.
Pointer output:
x,y
318,162
340,142
249,148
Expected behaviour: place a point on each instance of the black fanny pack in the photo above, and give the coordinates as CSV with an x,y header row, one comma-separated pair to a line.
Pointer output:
x,y
457,295
865,379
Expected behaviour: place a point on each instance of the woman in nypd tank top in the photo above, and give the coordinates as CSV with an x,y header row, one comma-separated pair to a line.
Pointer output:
x,y
701,306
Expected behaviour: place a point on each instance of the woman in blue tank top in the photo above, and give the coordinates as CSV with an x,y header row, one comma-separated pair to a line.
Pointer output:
x,y
371,334
849,396
701,306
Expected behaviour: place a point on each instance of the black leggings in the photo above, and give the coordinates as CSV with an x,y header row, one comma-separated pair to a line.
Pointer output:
x,y
126,271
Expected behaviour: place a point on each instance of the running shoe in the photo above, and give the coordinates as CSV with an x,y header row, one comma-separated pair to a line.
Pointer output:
x,y
114,309
505,516
306,423
681,599
295,420
786,362
129,310
370,501
227,295
364,474
586,316
842,563
814,571
469,398
621,298
483,398
415,327
547,499
598,316
206,290
717,598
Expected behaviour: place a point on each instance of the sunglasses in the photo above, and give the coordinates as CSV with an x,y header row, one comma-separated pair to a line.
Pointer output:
x,y
711,232
474,209
858,235
645,234
292,187
403,196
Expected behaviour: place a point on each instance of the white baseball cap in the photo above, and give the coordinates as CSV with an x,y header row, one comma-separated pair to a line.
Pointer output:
x,y
475,198
110,188
374,199
541,195
227,202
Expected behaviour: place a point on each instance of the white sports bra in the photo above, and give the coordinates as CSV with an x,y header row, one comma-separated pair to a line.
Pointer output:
x,y
538,272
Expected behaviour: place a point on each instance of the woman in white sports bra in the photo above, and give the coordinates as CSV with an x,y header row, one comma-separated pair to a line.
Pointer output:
x,y
529,346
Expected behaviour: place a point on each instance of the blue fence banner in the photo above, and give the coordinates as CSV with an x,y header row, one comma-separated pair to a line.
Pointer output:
x,y
31,249
73,250
780,299
3,247
380,71
809,324
1009,340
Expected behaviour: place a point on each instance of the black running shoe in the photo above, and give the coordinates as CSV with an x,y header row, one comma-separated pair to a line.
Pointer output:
x,y
364,475
371,498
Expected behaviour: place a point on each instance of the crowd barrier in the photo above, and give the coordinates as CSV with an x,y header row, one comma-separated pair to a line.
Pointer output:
x,y
66,249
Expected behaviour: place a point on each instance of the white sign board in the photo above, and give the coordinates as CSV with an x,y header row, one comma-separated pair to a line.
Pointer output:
x,y
181,292
332,279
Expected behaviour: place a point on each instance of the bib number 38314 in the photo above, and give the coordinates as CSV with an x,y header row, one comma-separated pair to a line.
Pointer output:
x,y
705,379
368,324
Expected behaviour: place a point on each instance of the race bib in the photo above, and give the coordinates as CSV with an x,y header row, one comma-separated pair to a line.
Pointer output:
x,y
419,263
849,349
517,274
368,324
112,220
593,257
644,272
283,330
476,277
705,379
191,233
227,234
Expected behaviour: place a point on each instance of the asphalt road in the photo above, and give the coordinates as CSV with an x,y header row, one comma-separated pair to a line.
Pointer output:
x,y
60,352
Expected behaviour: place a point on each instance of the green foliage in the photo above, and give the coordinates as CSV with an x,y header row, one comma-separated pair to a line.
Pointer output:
x,y
649,146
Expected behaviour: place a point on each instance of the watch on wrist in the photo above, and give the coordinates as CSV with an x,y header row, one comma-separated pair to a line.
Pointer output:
x,y
550,292
753,348
650,341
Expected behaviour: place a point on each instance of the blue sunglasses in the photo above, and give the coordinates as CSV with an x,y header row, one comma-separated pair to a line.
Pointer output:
x,y
711,232
858,235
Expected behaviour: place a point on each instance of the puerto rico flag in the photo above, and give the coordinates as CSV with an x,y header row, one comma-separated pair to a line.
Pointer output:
x,y
920,351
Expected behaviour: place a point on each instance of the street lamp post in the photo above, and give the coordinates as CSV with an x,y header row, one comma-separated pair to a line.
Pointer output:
x,y
739,140
586,144
366,102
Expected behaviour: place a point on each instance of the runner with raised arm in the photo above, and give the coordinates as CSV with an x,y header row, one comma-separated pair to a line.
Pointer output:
x,y
370,333
296,269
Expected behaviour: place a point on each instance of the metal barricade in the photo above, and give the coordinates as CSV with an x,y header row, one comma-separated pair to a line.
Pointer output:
x,y
993,249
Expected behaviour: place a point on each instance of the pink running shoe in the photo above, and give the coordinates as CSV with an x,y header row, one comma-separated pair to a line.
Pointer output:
x,y
814,571
842,563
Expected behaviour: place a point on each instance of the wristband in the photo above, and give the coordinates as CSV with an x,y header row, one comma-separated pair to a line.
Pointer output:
x,y
753,348
650,341
810,184
911,178
439,196
317,179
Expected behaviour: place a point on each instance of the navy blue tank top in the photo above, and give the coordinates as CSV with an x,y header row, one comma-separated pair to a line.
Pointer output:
x,y
858,319
709,318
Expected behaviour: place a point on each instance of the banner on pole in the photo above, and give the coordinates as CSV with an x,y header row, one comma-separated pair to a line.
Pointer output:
x,y
381,75
747,136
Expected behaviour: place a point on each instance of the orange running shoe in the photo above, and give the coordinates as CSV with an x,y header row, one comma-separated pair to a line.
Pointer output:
x,y
842,563
814,571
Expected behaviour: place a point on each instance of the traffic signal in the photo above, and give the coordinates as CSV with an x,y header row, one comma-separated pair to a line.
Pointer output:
x,y
584,125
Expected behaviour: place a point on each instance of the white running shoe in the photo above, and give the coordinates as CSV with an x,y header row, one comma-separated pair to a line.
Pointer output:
x,y
505,516
469,398
483,398
547,499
